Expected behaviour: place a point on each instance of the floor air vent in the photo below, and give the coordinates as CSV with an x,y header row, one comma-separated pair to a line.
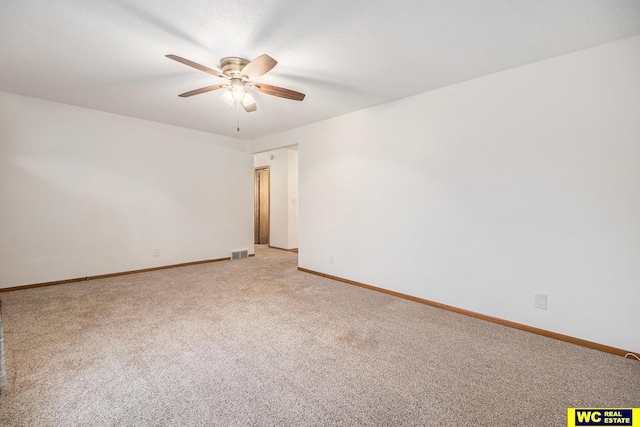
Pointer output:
x,y
240,254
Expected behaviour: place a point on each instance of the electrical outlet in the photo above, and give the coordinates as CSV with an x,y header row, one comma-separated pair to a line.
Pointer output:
x,y
156,252
540,301
330,259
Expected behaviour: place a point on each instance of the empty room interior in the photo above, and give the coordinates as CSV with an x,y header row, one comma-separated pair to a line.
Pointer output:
x,y
318,213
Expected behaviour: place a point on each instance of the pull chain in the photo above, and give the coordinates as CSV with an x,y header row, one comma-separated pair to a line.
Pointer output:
x,y
238,120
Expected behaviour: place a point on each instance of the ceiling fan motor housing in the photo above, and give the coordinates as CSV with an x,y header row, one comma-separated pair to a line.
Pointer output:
x,y
231,66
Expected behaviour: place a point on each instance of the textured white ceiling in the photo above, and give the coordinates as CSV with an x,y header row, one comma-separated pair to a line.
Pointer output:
x,y
345,55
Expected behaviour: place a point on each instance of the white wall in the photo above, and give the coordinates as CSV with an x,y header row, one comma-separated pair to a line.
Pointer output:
x,y
283,222
292,200
83,193
480,194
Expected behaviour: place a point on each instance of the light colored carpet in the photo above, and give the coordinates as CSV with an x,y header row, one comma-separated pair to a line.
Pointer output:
x,y
257,343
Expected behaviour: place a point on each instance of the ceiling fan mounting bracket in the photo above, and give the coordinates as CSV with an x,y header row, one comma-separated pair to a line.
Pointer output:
x,y
231,66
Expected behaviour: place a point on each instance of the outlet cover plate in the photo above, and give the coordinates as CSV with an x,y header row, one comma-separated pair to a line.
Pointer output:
x,y
540,301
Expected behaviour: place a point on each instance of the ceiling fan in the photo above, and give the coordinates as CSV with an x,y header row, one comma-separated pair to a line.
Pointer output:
x,y
240,75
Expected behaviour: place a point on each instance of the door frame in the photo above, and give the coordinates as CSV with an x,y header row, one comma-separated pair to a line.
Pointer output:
x,y
256,205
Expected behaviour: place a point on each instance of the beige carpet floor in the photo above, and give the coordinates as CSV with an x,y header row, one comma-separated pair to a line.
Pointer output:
x,y
257,343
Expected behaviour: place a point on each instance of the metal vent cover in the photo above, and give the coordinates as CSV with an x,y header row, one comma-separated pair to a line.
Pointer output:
x,y
240,254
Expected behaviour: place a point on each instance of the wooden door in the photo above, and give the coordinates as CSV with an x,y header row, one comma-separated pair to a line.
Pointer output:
x,y
261,206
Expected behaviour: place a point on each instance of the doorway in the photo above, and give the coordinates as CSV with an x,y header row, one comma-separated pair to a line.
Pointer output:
x,y
261,206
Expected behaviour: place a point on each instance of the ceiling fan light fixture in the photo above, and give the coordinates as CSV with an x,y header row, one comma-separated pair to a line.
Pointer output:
x,y
238,93
227,97
248,101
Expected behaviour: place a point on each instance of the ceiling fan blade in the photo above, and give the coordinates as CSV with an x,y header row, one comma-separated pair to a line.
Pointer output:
x,y
201,90
196,66
248,103
278,91
258,67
